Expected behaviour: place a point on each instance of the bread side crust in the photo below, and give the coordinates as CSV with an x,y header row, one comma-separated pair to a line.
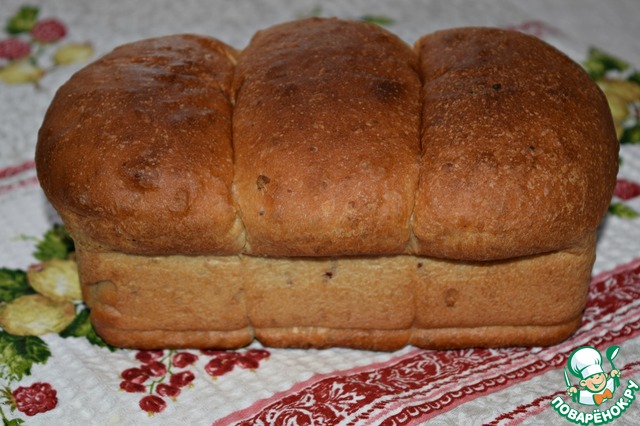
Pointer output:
x,y
380,303
426,338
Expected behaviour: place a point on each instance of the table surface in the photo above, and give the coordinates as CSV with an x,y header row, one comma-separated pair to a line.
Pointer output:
x,y
70,378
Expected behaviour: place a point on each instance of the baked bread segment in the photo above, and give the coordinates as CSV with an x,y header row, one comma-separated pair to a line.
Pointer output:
x,y
378,303
173,301
519,150
141,139
326,139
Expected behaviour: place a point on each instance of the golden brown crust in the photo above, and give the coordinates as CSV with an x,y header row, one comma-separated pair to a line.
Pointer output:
x,y
519,149
326,136
141,139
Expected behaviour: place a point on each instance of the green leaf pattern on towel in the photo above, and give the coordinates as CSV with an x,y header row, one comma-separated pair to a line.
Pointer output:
x,y
19,353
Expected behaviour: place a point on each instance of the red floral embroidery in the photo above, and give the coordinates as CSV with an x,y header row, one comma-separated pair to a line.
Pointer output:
x,y
48,30
14,48
626,189
152,404
37,398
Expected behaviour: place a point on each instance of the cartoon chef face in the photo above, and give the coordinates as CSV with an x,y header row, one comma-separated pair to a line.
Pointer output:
x,y
595,383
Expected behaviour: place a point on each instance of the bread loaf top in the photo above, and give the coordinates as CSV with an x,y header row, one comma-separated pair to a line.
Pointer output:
x,y
135,150
519,152
327,137
326,132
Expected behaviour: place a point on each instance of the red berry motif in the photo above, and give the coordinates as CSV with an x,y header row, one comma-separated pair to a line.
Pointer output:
x,y
154,369
165,375
37,398
219,366
258,354
183,359
248,362
626,189
148,356
48,30
164,389
182,378
135,375
152,404
14,48
223,362
132,387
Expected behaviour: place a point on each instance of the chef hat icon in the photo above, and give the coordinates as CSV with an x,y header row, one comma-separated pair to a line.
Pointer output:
x,y
585,362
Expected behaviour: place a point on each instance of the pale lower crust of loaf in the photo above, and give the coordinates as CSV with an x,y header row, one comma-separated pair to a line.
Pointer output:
x,y
322,338
436,338
377,303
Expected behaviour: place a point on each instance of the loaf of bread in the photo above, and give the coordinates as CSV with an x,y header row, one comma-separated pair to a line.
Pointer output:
x,y
329,185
